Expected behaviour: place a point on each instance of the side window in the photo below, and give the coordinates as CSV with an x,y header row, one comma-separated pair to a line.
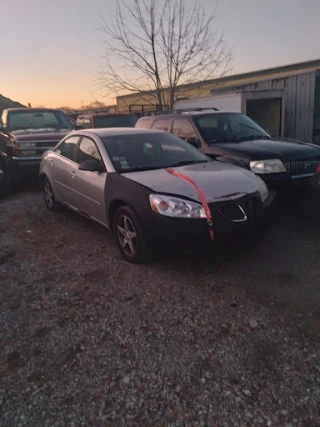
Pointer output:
x,y
144,123
69,148
183,129
88,151
4,118
161,124
86,123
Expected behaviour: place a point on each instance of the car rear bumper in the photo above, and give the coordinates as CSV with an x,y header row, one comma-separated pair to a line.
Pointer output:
x,y
171,232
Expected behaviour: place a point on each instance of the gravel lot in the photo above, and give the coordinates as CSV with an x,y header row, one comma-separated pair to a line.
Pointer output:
x,y
226,338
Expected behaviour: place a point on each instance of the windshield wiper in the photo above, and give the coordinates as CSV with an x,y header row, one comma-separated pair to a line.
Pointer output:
x,y
188,162
252,137
20,129
174,165
142,168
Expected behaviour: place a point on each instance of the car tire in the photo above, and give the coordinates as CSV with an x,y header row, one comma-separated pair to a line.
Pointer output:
x,y
5,184
49,197
129,236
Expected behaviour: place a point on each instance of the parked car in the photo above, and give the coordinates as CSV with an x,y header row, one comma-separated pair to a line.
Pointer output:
x,y
25,133
235,138
119,178
106,120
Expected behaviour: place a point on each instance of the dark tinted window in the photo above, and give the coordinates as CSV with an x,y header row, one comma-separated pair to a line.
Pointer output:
x,y
88,150
228,127
69,148
114,121
150,151
183,129
161,124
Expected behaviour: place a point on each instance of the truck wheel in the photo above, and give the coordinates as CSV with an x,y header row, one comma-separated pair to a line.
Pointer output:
x,y
5,183
49,198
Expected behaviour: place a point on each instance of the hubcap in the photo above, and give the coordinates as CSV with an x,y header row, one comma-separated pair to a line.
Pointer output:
x,y
48,194
127,235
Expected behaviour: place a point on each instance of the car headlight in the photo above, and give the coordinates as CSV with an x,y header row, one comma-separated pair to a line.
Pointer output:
x,y
175,207
263,189
267,166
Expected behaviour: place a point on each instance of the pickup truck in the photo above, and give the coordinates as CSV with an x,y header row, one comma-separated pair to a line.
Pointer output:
x,y
25,133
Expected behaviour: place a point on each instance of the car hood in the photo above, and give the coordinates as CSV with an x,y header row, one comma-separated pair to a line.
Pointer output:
x,y
260,149
39,134
218,181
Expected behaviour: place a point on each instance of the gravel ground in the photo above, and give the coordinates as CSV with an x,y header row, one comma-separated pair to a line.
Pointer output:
x,y
226,338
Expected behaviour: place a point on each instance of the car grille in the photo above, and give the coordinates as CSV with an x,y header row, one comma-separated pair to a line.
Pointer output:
x,y
302,167
238,210
233,212
38,150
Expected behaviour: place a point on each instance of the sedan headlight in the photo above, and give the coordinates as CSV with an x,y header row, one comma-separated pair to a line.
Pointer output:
x,y
263,189
267,166
175,207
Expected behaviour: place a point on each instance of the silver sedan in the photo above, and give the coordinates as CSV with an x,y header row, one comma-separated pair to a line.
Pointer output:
x,y
150,189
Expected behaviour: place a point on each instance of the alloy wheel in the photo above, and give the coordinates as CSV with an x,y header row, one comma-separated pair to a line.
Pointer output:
x,y
127,236
48,194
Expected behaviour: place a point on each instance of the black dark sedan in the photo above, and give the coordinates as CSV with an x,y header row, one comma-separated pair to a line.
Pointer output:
x,y
235,138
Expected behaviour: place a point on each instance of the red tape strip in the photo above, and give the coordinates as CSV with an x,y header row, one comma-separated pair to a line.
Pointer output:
x,y
201,195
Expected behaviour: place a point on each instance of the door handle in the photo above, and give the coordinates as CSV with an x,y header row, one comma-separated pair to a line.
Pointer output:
x,y
73,174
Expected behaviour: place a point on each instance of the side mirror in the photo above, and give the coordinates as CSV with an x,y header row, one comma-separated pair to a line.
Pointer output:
x,y
91,166
193,141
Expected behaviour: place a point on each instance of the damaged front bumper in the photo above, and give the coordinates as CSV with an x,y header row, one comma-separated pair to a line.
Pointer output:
x,y
170,232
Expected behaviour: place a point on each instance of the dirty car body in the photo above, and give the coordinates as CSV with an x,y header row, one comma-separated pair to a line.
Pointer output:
x,y
119,178
25,134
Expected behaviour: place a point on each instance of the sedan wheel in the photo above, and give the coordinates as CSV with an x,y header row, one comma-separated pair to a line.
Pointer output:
x,y
49,199
129,236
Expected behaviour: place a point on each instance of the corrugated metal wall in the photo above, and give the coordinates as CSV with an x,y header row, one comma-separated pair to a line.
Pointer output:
x,y
299,102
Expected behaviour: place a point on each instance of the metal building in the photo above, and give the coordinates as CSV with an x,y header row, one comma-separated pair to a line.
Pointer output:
x,y
286,100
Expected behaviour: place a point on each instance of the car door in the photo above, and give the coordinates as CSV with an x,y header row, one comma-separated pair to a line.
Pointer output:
x,y
88,187
162,124
62,166
184,129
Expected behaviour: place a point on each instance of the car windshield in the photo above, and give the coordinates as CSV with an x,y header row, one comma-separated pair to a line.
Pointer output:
x,y
36,120
146,151
115,121
228,127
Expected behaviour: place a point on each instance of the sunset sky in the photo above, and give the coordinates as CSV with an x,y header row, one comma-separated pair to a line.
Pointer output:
x,y
52,52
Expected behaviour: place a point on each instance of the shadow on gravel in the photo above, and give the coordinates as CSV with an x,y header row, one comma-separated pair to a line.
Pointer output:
x,y
278,268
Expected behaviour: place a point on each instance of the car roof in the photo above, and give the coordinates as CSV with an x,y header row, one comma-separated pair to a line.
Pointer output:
x,y
186,114
32,109
102,132
87,115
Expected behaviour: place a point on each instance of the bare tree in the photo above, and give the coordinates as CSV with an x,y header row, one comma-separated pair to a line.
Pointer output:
x,y
155,45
